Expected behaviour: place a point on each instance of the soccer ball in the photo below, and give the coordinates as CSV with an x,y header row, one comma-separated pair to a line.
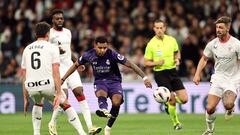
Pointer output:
x,y
161,94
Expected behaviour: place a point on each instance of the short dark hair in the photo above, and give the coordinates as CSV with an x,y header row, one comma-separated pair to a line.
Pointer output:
x,y
41,29
101,39
224,19
56,11
159,21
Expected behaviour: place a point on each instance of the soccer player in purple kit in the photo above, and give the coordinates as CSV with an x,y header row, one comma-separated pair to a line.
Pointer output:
x,y
108,79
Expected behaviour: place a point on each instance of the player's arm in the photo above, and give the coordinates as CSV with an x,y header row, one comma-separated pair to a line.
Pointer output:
x,y
151,63
139,72
57,82
70,71
25,92
202,63
177,57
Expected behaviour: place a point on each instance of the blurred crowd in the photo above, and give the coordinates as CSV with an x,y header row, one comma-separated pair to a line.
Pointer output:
x,y
127,24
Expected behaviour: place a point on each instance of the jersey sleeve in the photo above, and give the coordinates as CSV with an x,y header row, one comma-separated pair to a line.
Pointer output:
x,y
148,52
23,64
83,59
176,48
238,50
55,55
208,51
118,57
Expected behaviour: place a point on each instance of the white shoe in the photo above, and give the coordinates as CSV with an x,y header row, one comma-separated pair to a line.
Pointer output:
x,y
52,129
103,113
208,132
94,130
107,130
228,114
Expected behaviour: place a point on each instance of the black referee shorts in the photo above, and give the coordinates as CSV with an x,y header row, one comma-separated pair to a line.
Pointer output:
x,y
168,78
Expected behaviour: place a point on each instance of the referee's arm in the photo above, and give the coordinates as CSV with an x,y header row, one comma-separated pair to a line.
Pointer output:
x,y
150,63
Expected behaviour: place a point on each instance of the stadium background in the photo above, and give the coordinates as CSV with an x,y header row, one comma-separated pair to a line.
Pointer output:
x,y
128,25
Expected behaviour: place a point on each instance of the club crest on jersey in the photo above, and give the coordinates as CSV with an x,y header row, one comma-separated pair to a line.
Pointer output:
x,y
215,46
120,57
107,62
230,49
94,63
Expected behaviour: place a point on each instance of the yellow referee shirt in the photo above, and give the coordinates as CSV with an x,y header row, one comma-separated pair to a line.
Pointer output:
x,y
158,49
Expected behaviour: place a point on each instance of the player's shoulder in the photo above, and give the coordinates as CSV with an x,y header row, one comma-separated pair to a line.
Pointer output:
x,y
213,41
235,40
169,37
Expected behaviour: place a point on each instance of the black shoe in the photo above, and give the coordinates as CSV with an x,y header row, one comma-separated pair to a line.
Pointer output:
x,y
166,108
178,126
103,113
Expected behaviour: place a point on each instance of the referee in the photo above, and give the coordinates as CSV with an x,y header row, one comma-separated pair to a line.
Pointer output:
x,y
163,55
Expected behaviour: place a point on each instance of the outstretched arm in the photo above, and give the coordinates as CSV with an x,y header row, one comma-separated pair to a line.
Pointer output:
x,y
202,63
139,72
70,71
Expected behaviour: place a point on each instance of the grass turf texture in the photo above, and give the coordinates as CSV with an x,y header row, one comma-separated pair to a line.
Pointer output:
x,y
126,124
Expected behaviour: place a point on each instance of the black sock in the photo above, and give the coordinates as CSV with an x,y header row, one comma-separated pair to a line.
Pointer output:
x,y
114,112
102,102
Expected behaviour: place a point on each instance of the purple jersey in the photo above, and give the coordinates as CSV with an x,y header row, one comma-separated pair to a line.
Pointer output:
x,y
104,67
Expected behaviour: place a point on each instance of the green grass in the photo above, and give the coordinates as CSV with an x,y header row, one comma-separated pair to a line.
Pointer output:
x,y
126,124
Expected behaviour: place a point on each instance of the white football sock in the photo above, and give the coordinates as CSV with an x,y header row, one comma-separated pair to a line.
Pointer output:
x,y
210,121
86,113
74,120
36,119
55,115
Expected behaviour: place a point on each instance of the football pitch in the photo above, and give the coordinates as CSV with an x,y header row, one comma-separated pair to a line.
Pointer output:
x,y
126,124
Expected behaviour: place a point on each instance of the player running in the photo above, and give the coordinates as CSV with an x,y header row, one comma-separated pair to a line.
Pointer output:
x,y
41,79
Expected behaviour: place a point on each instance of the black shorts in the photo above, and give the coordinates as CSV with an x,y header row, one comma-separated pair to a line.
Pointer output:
x,y
168,78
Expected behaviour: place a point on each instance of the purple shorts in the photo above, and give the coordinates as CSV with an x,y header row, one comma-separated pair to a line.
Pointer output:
x,y
111,87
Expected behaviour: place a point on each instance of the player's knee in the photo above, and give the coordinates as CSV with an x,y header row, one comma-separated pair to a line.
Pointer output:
x,y
78,92
210,110
228,105
184,100
116,103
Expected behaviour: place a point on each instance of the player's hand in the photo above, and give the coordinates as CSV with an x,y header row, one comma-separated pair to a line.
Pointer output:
x,y
196,79
61,50
177,62
56,101
148,83
159,63
62,81
82,68
26,105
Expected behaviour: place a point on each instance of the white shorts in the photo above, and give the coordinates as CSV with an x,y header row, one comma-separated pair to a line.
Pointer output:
x,y
38,96
73,81
220,84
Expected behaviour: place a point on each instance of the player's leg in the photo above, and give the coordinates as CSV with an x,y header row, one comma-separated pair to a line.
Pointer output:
x,y
229,98
116,94
213,100
56,113
117,100
101,92
36,111
78,93
70,112
75,83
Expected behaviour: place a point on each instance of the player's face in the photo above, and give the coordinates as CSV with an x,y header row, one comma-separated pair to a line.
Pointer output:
x,y
58,21
101,48
159,29
221,30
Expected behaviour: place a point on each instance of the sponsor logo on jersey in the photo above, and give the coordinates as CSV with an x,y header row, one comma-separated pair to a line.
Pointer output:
x,y
107,62
38,83
120,57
